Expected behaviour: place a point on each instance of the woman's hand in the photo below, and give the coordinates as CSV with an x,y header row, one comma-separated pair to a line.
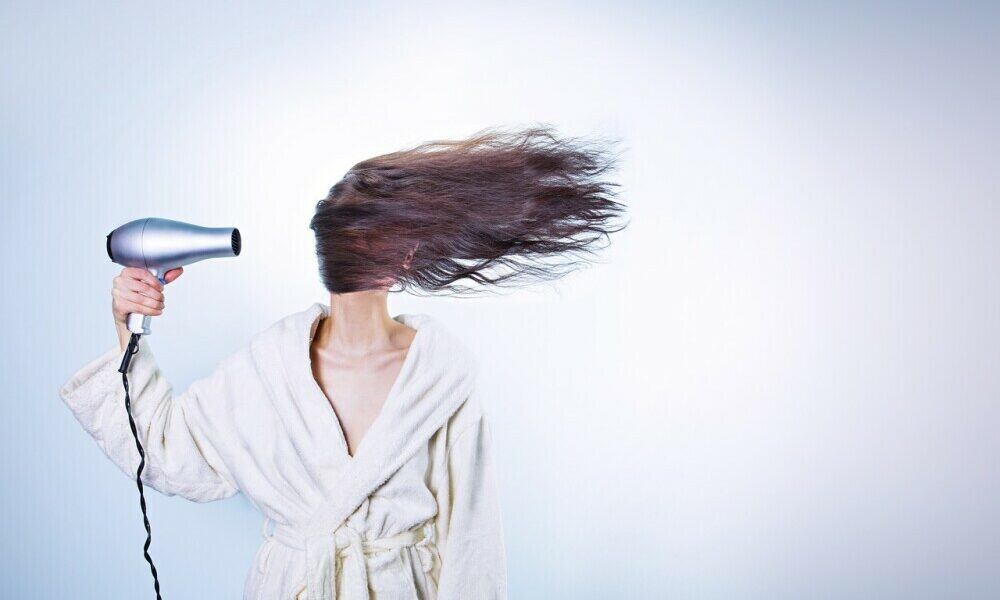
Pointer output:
x,y
136,290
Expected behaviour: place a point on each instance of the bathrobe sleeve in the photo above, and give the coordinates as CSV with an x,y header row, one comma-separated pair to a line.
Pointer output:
x,y
180,457
473,555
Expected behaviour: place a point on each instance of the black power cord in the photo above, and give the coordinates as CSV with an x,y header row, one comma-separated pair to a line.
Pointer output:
x,y
133,347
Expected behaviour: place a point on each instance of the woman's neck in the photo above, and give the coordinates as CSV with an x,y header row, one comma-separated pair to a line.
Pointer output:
x,y
359,323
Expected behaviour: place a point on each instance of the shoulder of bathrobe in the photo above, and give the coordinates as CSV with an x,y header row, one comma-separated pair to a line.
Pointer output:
x,y
458,359
264,346
280,330
443,341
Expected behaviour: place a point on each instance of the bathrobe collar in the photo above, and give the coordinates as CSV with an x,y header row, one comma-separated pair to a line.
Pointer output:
x,y
437,376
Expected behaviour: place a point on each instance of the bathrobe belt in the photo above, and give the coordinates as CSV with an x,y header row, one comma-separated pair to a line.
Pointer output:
x,y
325,553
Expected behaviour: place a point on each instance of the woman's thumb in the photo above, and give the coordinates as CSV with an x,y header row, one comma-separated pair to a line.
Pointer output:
x,y
173,274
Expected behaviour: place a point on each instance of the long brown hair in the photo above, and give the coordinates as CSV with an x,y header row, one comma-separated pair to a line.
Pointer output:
x,y
458,216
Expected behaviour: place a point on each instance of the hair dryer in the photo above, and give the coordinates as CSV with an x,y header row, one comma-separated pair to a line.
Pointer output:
x,y
159,245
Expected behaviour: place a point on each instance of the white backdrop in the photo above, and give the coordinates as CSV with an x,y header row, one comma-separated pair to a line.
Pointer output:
x,y
781,383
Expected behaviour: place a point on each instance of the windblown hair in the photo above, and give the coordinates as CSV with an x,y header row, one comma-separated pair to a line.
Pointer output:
x,y
460,216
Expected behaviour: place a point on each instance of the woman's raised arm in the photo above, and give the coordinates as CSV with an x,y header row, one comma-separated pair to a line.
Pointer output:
x,y
174,428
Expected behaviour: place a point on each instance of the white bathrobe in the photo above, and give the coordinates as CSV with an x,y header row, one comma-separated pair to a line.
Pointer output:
x,y
414,514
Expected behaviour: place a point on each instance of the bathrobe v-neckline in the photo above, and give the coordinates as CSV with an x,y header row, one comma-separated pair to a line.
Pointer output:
x,y
317,394
432,384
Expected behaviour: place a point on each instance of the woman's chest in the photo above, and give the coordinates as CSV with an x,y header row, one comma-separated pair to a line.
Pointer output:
x,y
356,393
288,452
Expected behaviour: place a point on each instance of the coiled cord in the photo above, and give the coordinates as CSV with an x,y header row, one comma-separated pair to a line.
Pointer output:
x,y
133,347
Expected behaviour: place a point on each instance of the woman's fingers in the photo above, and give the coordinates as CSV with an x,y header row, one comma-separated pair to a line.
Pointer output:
x,y
142,275
140,287
148,306
136,290
124,308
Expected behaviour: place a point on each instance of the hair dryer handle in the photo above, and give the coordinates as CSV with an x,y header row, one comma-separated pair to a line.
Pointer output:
x,y
138,322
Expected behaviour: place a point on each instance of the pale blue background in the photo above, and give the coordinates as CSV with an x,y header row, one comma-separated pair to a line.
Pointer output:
x,y
782,383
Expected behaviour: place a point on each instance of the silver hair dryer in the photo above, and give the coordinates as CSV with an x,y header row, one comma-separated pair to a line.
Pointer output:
x,y
159,245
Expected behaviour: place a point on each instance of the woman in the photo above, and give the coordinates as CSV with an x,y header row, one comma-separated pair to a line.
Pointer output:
x,y
360,436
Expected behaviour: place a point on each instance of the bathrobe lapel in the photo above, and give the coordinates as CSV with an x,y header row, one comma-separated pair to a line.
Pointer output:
x,y
436,378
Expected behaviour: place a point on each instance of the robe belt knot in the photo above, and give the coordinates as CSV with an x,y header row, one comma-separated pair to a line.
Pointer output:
x,y
325,553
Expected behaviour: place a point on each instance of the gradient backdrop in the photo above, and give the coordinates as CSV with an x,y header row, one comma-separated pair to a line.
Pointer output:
x,y
782,383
